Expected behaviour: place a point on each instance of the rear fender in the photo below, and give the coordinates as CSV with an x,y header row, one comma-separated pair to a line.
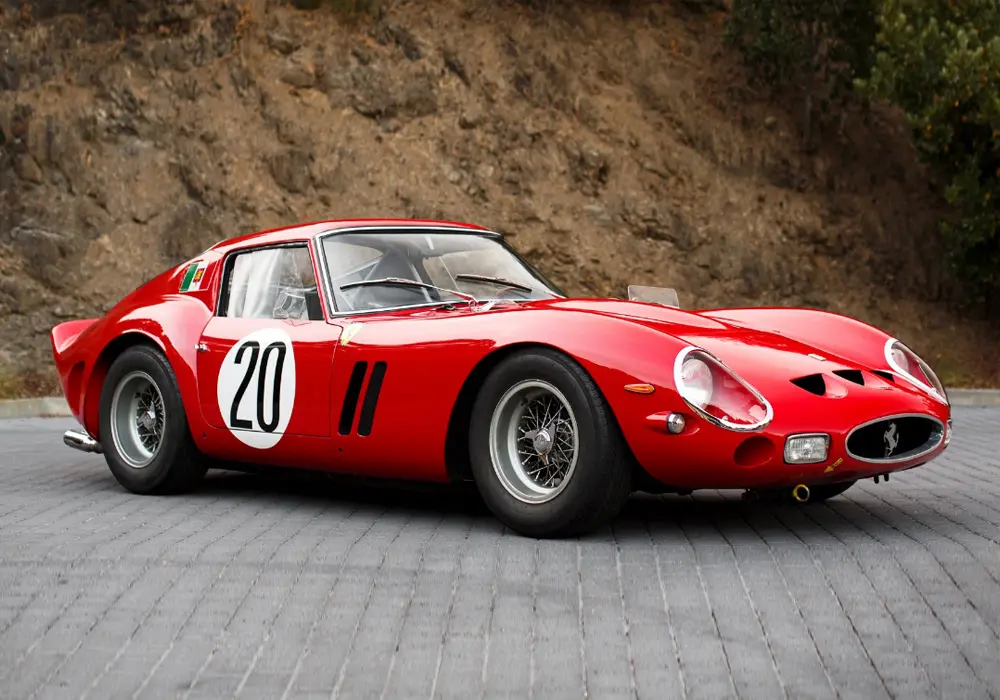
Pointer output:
x,y
68,365
154,313
174,327
84,351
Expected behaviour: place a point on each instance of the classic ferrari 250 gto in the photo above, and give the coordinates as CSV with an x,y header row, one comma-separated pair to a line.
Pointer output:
x,y
432,351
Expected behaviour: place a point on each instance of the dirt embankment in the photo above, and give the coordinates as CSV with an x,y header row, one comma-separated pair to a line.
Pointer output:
x,y
614,146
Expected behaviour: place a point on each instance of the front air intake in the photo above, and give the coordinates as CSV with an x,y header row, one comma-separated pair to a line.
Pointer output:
x,y
895,438
813,383
851,375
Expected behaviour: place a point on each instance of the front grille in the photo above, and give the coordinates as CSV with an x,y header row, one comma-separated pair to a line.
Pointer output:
x,y
895,439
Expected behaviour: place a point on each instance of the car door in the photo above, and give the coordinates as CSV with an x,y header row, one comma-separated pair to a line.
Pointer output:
x,y
265,358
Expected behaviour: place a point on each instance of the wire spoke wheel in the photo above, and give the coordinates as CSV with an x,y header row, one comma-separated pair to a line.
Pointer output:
x,y
137,419
534,441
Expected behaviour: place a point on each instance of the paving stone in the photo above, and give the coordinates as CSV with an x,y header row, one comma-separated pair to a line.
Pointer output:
x,y
251,587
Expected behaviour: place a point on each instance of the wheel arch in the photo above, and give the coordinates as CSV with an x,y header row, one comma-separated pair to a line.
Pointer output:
x,y
457,457
99,372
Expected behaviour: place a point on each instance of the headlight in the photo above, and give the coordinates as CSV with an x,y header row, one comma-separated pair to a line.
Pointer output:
x,y
807,449
696,380
906,363
716,393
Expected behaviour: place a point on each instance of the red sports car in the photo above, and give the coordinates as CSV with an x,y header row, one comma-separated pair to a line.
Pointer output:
x,y
432,351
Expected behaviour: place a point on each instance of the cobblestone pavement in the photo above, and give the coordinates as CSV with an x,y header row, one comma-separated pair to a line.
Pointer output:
x,y
305,587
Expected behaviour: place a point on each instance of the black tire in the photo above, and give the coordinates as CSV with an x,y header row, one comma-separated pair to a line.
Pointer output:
x,y
601,480
176,465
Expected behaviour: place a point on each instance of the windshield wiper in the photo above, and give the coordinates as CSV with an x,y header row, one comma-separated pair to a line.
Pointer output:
x,y
494,280
401,282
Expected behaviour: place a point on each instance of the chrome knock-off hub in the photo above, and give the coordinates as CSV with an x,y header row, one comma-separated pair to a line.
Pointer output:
x,y
542,442
148,419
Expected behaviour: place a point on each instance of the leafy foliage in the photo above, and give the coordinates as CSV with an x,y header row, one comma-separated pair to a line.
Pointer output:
x,y
818,46
939,60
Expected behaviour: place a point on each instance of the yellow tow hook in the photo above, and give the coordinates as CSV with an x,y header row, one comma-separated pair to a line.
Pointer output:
x,y
801,493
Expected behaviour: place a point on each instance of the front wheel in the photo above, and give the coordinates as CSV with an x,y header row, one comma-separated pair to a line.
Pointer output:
x,y
547,454
147,442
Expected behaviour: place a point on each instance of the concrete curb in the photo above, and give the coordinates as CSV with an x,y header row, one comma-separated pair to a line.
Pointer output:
x,y
56,406
45,407
974,397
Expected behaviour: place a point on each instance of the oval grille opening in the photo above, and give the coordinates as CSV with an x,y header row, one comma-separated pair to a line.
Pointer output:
x,y
895,439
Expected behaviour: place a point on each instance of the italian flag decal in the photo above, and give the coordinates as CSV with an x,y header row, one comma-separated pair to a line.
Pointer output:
x,y
193,276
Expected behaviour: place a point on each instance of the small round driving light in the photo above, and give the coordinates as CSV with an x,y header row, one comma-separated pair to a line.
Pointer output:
x,y
675,423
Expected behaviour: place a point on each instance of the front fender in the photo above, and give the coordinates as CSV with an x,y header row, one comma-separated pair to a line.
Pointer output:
x,y
617,352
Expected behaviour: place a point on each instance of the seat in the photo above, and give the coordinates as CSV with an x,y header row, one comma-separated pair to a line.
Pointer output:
x,y
390,265
314,309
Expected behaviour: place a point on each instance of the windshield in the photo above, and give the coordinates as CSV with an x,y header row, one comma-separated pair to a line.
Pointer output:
x,y
471,264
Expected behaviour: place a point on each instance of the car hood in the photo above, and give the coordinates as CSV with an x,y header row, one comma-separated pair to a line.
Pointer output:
x,y
759,356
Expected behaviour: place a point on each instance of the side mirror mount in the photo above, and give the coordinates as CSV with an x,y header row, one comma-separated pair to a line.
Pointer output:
x,y
664,296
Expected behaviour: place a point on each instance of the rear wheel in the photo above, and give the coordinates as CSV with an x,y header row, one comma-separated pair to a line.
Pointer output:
x,y
546,452
144,431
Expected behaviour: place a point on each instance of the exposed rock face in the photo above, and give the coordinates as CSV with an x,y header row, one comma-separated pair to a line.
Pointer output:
x,y
614,146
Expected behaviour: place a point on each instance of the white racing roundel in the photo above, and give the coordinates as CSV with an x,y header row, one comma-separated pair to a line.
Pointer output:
x,y
256,389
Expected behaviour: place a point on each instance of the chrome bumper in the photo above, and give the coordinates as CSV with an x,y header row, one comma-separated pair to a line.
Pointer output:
x,y
82,441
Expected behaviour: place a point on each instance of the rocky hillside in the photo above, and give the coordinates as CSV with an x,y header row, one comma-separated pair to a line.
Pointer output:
x,y
613,145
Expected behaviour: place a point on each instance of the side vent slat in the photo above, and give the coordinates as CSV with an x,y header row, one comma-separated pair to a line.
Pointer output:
x,y
851,375
813,383
371,399
351,397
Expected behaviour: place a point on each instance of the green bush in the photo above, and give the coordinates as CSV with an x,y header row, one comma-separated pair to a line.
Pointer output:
x,y
816,46
939,60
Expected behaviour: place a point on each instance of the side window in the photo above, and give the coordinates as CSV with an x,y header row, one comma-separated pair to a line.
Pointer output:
x,y
273,283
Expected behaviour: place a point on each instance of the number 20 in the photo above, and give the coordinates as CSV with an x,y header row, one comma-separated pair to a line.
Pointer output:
x,y
254,347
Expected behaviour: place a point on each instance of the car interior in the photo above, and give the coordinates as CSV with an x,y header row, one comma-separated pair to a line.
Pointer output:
x,y
272,283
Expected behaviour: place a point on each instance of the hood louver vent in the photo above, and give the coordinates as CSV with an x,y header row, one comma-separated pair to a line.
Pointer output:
x,y
813,383
885,375
851,375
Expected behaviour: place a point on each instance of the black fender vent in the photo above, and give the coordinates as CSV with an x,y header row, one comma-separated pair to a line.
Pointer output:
x,y
813,383
371,399
350,406
851,375
895,439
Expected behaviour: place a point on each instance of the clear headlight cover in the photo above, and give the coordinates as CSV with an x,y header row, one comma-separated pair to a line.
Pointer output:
x,y
908,364
717,393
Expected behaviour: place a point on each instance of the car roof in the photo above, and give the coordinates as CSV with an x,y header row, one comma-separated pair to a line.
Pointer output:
x,y
304,232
